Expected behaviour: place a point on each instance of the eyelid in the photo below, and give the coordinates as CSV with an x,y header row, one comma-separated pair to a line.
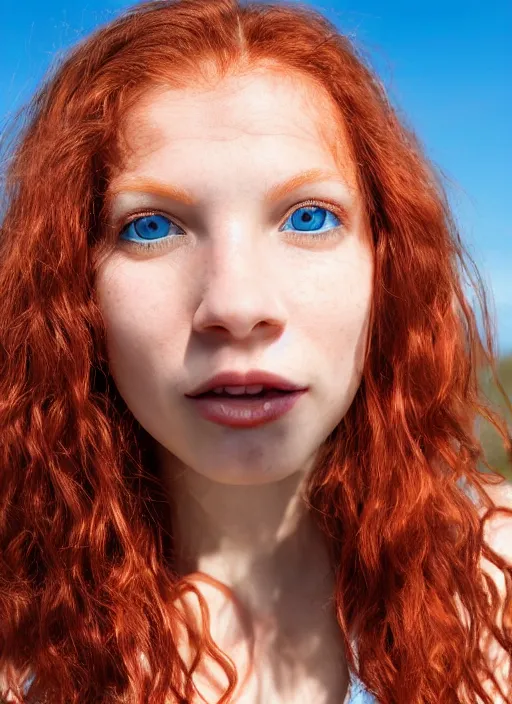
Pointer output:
x,y
340,211
123,221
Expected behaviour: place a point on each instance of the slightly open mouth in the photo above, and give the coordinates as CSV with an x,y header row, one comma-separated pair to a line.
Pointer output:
x,y
265,393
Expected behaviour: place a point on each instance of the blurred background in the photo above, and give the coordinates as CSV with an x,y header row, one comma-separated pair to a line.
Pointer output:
x,y
446,65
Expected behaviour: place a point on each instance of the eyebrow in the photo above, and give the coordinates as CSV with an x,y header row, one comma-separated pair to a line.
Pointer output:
x,y
176,193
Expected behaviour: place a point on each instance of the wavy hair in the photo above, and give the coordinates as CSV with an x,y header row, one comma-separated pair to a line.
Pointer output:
x,y
87,582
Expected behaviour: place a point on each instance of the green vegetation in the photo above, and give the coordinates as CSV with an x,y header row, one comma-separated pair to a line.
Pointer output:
x,y
492,442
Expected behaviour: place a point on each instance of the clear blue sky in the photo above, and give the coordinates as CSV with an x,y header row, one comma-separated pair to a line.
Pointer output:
x,y
446,63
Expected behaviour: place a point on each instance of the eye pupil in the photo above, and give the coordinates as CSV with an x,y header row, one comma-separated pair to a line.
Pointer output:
x,y
312,216
151,227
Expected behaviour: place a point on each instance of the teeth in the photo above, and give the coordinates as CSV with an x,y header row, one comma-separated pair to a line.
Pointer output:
x,y
254,389
239,390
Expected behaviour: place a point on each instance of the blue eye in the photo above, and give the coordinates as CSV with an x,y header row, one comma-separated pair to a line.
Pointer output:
x,y
154,230
308,218
147,227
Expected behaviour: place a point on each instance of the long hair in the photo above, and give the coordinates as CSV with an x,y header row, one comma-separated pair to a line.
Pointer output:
x,y
87,577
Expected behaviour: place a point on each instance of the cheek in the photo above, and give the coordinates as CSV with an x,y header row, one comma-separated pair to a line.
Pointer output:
x,y
335,316
333,303
139,312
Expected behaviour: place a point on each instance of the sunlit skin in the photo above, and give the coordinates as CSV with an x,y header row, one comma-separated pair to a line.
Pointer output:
x,y
235,287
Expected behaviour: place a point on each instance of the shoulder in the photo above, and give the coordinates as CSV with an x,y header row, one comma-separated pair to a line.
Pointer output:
x,y
498,529
498,535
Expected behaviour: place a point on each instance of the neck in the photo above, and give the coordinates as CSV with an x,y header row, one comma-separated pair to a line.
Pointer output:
x,y
261,542
257,540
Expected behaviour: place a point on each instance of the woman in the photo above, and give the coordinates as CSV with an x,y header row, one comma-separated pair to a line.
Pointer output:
x,y
239,382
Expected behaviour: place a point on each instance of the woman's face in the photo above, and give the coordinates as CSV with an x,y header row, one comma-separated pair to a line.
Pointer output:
x,y
236,281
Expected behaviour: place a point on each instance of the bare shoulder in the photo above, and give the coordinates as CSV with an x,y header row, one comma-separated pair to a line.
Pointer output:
x,y
498,534
498,531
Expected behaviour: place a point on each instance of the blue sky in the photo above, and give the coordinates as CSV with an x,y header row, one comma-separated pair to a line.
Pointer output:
x,y
445,63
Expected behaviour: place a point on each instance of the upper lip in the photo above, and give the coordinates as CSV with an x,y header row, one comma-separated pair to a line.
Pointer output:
x,y
234,378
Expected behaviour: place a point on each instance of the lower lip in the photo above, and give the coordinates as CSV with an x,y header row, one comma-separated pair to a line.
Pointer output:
x,y
245,413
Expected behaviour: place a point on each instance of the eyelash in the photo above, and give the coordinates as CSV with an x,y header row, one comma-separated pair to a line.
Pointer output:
x,y
294,234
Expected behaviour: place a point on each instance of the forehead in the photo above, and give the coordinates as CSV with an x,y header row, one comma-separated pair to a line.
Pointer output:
x,y
262,108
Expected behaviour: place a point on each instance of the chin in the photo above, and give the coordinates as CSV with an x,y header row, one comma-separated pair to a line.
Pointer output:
x,y
253,471
243,476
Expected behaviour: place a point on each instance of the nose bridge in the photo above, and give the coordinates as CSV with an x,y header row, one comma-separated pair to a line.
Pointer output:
x,y
233,251
240,287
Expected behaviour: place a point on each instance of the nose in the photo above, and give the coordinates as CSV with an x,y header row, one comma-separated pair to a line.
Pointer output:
x,y
242,292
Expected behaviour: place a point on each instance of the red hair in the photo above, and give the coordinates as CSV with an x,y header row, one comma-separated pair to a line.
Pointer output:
x,y
87,578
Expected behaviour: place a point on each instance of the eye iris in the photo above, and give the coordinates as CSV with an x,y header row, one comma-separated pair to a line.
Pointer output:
x,y
151,227
313,217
